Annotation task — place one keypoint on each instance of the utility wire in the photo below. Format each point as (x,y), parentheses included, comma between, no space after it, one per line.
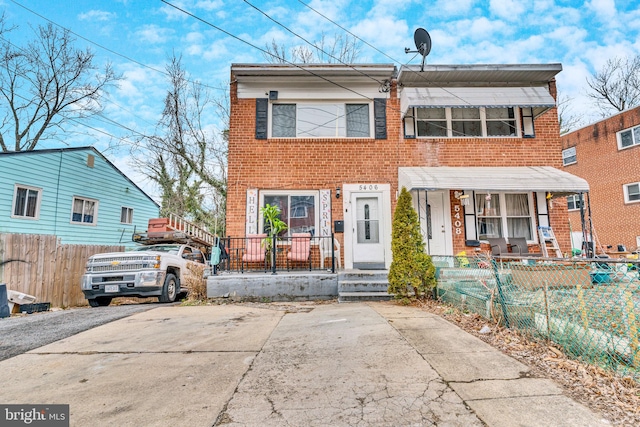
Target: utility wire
(311,44)
(108,49)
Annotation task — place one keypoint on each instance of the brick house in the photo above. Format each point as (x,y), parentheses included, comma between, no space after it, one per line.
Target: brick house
(477,146)
(607,155)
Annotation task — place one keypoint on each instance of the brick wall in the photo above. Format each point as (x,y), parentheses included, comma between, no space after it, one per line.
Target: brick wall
(607,169)
(328,163)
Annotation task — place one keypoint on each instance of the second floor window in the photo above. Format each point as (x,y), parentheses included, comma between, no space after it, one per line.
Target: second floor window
(84,211)
(466,122)
(629,137)
(632,192)
(569,156)
(320,120)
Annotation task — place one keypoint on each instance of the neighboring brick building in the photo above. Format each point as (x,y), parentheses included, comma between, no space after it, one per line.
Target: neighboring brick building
(607,155)
(484,135)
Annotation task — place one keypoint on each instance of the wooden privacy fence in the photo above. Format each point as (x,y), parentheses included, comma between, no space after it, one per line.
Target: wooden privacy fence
(51,271)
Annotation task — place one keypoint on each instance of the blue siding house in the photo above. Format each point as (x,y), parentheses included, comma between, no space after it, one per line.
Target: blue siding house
(73,193)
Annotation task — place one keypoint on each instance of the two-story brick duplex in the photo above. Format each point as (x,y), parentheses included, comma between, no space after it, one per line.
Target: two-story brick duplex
(607,155)
(477,145)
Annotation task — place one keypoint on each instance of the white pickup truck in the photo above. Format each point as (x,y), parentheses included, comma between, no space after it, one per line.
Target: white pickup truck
(148,271)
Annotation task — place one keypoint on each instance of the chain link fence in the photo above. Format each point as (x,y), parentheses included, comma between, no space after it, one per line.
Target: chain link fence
(589,307)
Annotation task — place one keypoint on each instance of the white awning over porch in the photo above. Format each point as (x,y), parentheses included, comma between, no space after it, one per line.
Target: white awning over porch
(537,97)
(505,178)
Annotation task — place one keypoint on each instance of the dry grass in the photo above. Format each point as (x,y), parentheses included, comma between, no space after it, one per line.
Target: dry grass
(616,398)
(196,283)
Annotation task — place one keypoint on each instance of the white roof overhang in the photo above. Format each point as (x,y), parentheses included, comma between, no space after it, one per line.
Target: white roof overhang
(537,97)
(503,179)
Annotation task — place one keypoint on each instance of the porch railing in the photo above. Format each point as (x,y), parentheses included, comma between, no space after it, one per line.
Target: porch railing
(271,255)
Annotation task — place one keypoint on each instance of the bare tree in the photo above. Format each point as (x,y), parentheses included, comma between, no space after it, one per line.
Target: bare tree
(45,84)
(616,86)
(339,49)
(187,159)
(567,119)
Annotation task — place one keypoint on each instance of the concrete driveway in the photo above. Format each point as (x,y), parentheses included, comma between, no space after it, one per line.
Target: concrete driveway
(312,365)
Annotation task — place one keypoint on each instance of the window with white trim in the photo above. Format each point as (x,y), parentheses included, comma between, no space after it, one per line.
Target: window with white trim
(298,209)
(573,202)
(504,215)
(126,215)
(26,202)
(629,137)
(320,120)
(632,192)
(569,156)
(84,211)
(466,122)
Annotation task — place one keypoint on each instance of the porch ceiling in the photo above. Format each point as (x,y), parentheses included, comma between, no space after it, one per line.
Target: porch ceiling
(521,178)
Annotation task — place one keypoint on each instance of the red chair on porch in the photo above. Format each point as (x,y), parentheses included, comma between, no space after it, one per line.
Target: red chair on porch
(300,249)
(254,251)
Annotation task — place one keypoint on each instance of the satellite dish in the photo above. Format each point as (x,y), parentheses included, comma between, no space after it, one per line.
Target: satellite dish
(423,43)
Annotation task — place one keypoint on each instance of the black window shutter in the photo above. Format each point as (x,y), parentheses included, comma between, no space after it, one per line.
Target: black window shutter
(262,111)
(380,117)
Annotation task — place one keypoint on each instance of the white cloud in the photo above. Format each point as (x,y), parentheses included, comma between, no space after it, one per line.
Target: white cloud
(507,9)
(386,33)
(604,10)
(154,34)
(96,15)
(453,8)
(209,5)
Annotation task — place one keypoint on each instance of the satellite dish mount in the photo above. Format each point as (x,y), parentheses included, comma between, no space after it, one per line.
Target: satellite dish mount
(423,44)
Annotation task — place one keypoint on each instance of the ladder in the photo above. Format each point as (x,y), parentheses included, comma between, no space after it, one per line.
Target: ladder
(548,241)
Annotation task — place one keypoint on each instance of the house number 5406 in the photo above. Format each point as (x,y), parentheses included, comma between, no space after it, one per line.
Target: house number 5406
(369,187)
(457,224)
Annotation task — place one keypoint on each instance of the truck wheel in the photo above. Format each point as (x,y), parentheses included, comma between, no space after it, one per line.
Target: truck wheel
(100,301)
(170,289)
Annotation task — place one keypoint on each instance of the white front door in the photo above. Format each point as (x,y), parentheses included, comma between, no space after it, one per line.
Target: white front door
(434,221)
(368,235)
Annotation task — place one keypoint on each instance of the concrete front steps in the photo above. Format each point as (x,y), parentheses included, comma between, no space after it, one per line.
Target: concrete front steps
(363,285)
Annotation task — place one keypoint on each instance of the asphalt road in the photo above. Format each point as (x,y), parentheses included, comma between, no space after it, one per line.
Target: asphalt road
(19,334)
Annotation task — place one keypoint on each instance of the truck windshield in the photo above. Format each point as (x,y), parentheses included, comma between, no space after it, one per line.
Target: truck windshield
(172,249)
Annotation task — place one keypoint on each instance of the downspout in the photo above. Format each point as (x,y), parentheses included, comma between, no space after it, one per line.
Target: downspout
(55,218)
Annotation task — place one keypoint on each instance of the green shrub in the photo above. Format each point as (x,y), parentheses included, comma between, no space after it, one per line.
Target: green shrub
(411,268)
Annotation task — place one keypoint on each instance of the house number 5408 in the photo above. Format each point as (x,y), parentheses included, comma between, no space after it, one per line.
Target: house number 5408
(457,224)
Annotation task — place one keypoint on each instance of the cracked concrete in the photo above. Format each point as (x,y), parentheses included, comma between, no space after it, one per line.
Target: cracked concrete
(333,364)
(342,365)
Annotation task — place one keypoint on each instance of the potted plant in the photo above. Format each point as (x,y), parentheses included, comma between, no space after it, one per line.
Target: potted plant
(273,225)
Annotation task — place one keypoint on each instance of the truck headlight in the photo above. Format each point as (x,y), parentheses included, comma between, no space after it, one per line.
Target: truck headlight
(86,282)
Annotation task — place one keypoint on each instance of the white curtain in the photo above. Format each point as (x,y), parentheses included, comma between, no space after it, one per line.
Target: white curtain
(518,217)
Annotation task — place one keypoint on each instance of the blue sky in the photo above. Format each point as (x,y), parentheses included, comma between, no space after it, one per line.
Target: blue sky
(139,36)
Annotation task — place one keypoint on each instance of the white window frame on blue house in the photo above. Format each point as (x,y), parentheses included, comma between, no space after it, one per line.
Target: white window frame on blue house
(126,215)
(84,211)
(25,208)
